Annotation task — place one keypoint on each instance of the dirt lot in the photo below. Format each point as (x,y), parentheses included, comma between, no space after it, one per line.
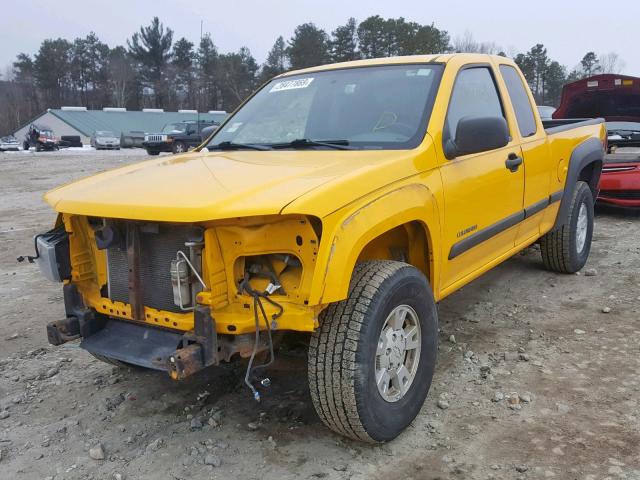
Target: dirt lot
(569,345)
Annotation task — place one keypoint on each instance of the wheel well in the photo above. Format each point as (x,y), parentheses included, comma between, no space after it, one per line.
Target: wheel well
(591,175)
(405,243)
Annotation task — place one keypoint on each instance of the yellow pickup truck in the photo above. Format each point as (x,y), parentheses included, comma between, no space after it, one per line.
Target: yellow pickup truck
(341,202)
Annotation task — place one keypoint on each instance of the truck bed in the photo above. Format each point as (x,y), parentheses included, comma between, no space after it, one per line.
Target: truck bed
(563,124)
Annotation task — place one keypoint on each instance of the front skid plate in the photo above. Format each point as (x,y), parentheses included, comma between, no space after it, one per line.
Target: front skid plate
(135,344)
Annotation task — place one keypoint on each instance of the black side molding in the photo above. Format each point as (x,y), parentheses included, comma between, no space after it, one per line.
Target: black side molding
(536,207)
(486,233)
(556,196)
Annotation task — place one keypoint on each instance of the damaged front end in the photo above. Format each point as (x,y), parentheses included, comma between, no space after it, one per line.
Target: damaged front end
(180,297)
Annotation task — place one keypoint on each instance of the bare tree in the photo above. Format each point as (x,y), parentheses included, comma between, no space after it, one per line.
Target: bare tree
(467,44)
(611,63)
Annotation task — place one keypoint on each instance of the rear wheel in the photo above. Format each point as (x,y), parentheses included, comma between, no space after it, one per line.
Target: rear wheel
(566,249)
(372,360)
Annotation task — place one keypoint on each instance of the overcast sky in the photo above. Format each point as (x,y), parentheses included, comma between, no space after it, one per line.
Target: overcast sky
(568,28)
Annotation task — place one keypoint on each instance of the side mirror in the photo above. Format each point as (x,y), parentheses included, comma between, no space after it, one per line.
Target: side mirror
(477,134)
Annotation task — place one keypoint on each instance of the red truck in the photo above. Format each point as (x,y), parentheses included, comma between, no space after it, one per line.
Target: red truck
(616,98)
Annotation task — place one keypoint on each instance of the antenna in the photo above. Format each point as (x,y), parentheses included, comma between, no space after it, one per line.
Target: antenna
(198,96)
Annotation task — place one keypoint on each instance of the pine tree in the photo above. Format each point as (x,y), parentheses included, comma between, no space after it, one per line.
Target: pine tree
(344,42)
(277,61)
(151,48)
(308,47)
(237,74)
(51,71)
(89,70)
(372,37)
(590,64)
(207,60)
(183,74)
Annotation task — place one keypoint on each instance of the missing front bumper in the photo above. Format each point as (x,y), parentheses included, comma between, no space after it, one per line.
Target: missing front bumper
(135,344)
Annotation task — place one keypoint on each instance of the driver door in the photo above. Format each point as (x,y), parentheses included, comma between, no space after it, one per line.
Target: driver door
(483,193)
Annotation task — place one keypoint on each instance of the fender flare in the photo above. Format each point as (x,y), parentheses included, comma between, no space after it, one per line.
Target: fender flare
(355,227)
(588,152)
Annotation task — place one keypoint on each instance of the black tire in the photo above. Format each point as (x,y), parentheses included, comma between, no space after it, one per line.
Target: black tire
(179,147)
(25,146)
(152,152)
(342,353)
(38,147)
(559,248)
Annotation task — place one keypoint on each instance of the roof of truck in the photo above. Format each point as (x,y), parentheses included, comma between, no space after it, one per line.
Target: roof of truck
(437,58)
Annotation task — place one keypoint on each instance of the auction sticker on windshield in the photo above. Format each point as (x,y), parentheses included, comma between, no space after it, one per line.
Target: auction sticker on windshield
(291,84)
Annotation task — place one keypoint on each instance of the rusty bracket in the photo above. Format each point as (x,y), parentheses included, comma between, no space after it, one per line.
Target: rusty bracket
(185,362)
(133,259)
(63,331)
(204,330)
(200,347)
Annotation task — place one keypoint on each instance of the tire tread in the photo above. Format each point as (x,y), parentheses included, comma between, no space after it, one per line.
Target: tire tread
(555,246)
(333,348)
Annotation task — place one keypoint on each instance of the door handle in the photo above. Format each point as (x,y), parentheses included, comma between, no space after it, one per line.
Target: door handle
(513,162)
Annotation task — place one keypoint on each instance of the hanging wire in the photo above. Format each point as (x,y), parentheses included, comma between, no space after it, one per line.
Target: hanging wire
(257,304)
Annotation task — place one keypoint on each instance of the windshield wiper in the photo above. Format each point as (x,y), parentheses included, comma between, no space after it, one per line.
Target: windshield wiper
(237,146)
(306,142)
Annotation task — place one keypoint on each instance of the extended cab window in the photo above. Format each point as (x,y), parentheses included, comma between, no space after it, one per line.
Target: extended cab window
(474,95)
(520,100)
(365,108)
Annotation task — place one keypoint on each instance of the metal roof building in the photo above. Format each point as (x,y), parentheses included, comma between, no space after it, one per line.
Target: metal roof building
(83,122)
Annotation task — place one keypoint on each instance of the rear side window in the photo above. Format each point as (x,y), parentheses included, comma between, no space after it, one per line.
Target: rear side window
(474,95)
(520,100)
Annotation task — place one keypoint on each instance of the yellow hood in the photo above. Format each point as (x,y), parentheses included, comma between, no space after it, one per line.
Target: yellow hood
(206,186)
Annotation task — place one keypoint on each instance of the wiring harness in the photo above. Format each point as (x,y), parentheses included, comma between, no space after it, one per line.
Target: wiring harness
(258,297)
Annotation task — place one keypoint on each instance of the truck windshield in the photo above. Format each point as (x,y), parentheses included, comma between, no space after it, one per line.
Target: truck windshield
(381,107)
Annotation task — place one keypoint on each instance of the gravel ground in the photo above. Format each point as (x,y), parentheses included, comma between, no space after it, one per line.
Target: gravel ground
(538,377)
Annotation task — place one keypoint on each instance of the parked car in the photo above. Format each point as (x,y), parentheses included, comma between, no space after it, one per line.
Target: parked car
(70,141)
(616,98)
(401,181)
(9,143)
(178,137)
(546,112)
(623,134)
(105,140)
(41,138)
(132,139)
(208,131)
(620,182)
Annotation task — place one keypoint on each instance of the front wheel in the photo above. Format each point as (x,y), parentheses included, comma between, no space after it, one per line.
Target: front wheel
(372,359)
(566,249)
(179,147)
(153,152)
